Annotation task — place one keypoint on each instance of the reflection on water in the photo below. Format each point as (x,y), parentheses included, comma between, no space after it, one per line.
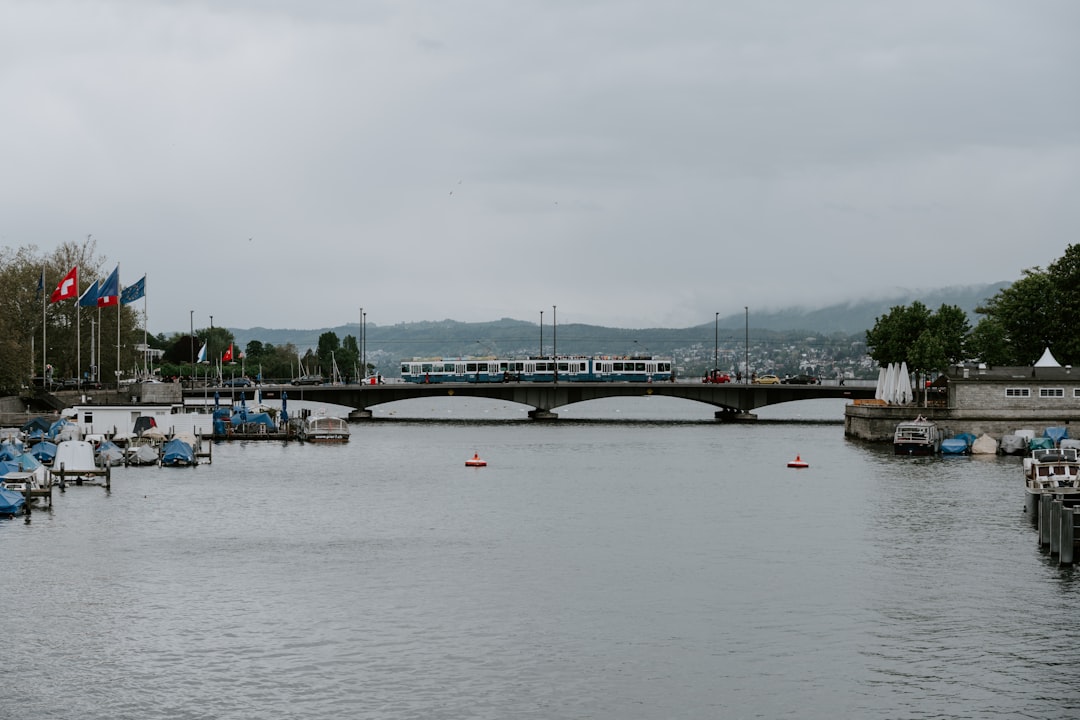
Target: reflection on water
(668,567)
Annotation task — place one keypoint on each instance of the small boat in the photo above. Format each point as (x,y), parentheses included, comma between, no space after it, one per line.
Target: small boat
(1051,471)
(1013,444)
(324,428)
(955,446)
(109,453)
(984,445)
(917,437)
(798,462)
(145,454)
(475,461)
(177,453)
(76,459)
(11,502)
(44,451)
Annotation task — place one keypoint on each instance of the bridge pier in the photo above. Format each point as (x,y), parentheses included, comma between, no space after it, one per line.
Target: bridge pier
(360,414)
(542,414)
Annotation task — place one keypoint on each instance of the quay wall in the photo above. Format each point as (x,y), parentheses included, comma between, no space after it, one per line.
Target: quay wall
(876,423)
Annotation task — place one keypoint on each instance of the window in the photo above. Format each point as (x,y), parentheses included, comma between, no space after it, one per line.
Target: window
(1018,392)
(1051,392)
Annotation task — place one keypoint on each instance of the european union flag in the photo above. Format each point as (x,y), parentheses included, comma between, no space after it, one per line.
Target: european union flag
(133,292)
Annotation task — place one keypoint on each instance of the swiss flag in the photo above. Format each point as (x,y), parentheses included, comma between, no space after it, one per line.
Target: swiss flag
(68,287)
(227,357)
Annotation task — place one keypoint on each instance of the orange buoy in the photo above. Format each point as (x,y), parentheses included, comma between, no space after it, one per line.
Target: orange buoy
(798,462)
(475,461)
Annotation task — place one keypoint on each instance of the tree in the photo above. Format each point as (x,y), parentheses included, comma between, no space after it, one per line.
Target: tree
(1025,316)
(950,327)
(893,335)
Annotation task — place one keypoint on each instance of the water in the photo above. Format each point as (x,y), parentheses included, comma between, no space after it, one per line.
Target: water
(593,570)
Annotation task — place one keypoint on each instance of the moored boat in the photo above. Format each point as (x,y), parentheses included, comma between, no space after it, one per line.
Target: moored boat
(76,459)
(177,453)
(1051,471)
(324,428)
(917,437)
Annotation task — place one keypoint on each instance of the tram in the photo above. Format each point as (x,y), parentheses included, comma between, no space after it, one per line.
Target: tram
(604,368)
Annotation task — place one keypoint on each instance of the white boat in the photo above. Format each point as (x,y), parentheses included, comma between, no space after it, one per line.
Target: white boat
(76,459)
(1051,471)
(324,428)
(144,454)
(917,437)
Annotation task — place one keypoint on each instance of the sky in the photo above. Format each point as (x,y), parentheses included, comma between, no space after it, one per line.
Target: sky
(285,164)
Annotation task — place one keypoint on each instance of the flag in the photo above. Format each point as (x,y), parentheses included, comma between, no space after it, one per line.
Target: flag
(202,354)
(90,296)
(227,357)
(133,292)
(68,287)
(41,284)
(109,293)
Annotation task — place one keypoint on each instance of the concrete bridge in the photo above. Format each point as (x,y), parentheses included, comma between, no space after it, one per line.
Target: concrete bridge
(735,401)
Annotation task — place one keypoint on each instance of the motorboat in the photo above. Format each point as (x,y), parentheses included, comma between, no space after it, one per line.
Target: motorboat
(917,437)
(1051,471)
(324,428)
(177,453)
(75,458)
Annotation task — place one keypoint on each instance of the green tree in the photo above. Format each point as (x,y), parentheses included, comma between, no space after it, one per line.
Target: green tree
(950,327)
(1024,315)
(893,335)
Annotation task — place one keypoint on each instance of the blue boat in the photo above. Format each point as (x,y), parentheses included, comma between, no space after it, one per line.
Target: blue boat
(955,446)
(11,502)
(44,451)
(177,453)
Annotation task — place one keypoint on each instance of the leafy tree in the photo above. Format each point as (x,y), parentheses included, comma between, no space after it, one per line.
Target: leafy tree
(327,350)
(950,326)
(893,334)
(989,342)
(1025,316)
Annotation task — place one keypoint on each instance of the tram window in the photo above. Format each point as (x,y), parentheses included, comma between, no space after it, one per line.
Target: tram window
(404,369)
(426,367)
(564,367)
(618,367)
(448,367)
(640,367)
(470,367)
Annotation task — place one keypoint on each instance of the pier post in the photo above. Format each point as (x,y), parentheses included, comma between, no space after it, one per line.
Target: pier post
(1055,527)
(1065,554)
(108,477)
(1045,501)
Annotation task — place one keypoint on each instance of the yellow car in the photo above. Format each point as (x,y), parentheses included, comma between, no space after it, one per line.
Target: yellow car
(767,380)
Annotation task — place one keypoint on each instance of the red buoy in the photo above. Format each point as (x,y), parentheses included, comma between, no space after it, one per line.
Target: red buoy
(475,461)
(798,462)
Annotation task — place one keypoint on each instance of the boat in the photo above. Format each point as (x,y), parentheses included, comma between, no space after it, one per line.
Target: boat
(177,453)
(109,453)
(1013,444)
(145,454)
(1051,471)
(11,502)
(955,446)
(76,459)
(324,428)
(917,437)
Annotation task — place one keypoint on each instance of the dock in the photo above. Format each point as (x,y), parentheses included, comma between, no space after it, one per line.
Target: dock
(1059,527)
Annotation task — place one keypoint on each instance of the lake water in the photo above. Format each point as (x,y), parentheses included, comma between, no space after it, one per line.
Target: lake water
(663,566)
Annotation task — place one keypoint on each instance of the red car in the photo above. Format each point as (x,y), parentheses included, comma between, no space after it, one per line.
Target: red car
(715,376)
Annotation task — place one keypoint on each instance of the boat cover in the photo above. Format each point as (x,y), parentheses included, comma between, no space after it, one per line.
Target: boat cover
(246,418)
(984,445)
(109,453)
(38,423)
(1057,434)
(11,502)
(8,451)
(1014,444)
(954,446)
(1043,443)
(177,452)
(144,455)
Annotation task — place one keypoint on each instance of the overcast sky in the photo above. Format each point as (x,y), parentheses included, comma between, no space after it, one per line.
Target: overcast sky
(638,164)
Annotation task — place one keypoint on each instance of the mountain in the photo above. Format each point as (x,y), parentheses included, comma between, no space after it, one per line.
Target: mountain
(517,337)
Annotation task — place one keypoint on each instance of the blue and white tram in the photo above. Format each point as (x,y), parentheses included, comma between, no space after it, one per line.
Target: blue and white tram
(569,369)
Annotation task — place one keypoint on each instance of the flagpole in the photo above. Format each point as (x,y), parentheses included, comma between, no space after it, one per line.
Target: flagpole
(118,305)
(44,340)
(78,334)
(146,322)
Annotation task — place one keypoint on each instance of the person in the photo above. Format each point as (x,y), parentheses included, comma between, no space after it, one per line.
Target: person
(738,376)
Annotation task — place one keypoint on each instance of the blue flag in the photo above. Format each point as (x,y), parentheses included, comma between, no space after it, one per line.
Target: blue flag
(109,292)
(89,296)
(41,283)
(133,292)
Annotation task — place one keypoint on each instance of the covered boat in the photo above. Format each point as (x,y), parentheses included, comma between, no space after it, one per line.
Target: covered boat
(75,458)
(11,502)
(145,454)
(984,445)
(955,446)
(177,453)
(917,437)
(109,453)
(1012,444)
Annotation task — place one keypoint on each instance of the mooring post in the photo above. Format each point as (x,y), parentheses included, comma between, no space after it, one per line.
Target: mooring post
(1055,527)
(108,477)
(1065,554)
(1044,519)
(27,497)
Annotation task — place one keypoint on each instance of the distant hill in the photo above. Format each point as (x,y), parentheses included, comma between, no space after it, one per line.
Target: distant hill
(509,336)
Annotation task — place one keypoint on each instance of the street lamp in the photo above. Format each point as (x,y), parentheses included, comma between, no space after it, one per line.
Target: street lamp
(554,337)
(191,321)
(746,345)
(541,334)
(716,342)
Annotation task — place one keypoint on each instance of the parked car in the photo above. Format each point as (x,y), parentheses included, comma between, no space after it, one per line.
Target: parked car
(800,380)
(237,382)
(767,380)
(309,380)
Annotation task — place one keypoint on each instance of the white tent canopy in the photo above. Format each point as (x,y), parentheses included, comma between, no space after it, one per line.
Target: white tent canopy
(1047,360)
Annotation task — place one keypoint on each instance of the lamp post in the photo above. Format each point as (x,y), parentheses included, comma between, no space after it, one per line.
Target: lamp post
(191,321)
(746,345)
(541,334)
(716,342)
(554,338)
